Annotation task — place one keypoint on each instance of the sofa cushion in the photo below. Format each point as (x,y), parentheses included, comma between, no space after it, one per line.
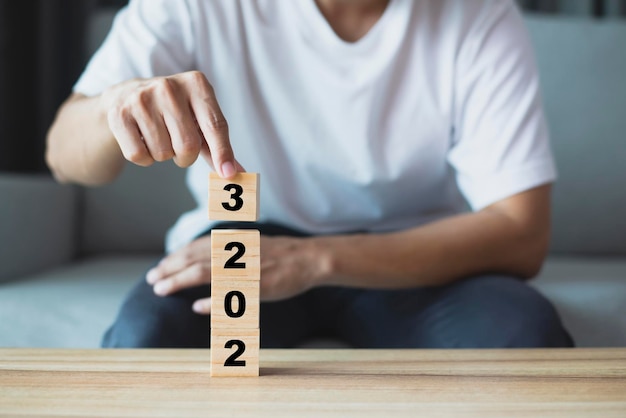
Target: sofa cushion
(37,224)
(70,306)
(582,66)
(133,213)
(590,295)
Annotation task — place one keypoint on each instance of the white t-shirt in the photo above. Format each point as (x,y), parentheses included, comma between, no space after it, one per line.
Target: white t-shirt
(438,101)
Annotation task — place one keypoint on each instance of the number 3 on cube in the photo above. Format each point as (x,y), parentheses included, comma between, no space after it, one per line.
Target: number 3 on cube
(234,199)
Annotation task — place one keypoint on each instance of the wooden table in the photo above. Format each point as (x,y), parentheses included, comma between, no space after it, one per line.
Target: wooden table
(293,383)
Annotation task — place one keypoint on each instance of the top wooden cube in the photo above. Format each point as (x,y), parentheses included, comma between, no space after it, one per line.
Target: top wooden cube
(234,199)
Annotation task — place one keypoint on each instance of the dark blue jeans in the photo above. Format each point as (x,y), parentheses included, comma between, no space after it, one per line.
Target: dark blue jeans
(476,312)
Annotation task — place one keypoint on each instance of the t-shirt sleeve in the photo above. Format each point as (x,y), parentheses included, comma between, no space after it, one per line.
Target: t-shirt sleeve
(148,38)
(500,145)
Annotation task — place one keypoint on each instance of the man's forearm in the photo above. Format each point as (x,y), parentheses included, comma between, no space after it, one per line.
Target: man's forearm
(441,252)
(80,146)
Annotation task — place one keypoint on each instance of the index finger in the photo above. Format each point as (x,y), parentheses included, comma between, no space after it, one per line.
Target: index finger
(214,127)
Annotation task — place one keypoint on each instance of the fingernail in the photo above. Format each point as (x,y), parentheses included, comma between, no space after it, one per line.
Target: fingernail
(228,169)
(240,168)
(161,288)
(200,306)
(152,276)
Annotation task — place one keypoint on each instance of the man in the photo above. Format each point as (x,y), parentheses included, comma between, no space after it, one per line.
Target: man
(369,121)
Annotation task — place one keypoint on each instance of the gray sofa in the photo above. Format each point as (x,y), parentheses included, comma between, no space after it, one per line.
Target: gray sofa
(69,254)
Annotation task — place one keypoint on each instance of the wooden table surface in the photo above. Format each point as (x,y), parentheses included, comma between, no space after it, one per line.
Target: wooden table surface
(293,383)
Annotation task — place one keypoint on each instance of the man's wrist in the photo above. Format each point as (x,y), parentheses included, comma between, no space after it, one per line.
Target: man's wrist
(323,252)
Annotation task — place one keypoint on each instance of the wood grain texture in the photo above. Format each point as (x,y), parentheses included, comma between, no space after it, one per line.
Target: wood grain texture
(570,383)
(250,291)
(218,196)
(220,352)
(251,239)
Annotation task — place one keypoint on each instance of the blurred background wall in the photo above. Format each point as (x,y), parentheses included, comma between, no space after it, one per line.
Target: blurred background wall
(44,45)
(42,52)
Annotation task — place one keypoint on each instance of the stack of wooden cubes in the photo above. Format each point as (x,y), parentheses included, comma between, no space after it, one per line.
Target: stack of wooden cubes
(235,276)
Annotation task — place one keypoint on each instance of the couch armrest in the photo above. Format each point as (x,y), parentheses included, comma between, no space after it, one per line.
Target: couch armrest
(37,224)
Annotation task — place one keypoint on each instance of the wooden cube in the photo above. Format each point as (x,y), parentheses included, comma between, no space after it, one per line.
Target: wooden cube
(234,199)
(235,254)
(234,352)
(234,304)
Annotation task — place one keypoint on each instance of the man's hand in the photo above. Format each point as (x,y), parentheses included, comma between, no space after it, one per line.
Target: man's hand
(142,121)
(289,266)
(175,117)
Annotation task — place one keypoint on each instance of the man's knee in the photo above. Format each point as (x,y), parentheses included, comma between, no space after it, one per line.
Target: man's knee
(499,312)
(135,332)
(149,321)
